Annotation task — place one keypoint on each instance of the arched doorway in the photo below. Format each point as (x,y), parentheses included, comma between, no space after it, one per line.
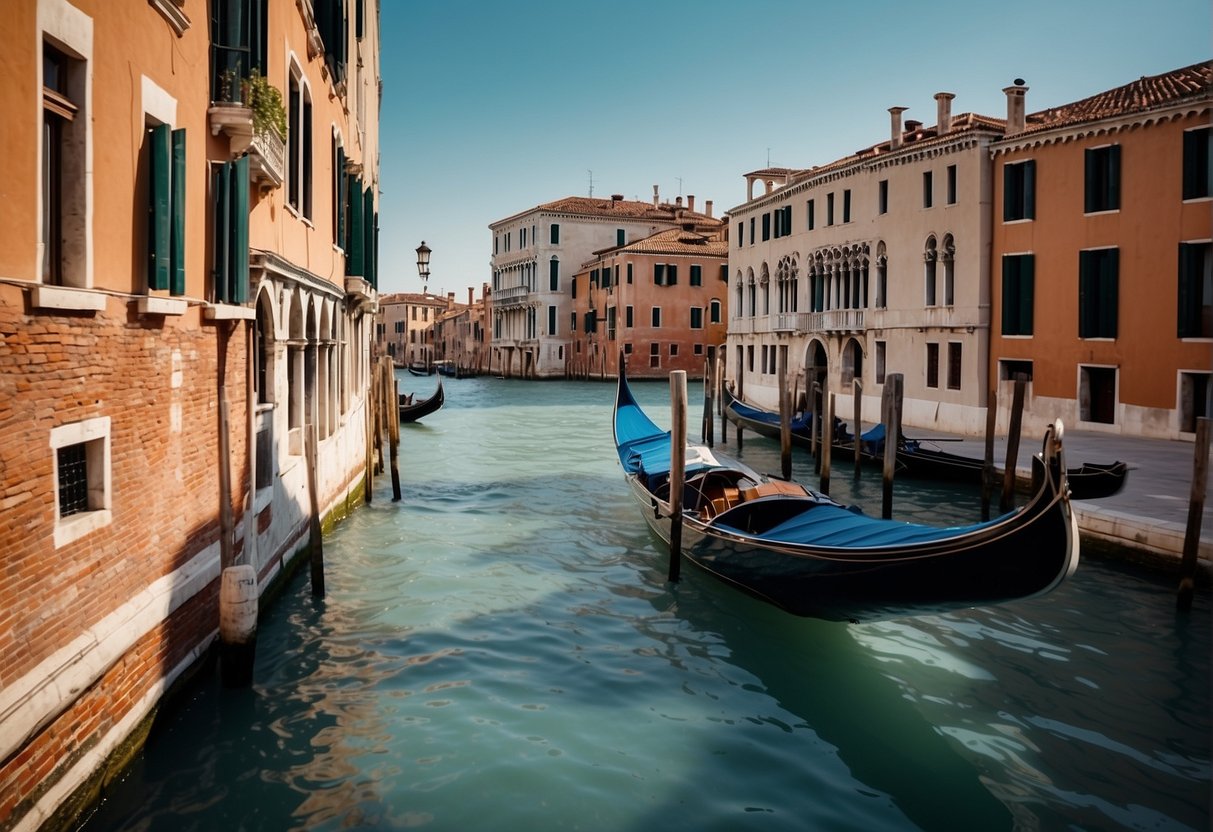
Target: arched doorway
(816,369)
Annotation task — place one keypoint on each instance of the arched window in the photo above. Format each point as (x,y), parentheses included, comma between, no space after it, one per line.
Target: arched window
(948,256)
(929,256)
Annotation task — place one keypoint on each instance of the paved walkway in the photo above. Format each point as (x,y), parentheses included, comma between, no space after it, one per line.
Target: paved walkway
(1150,513)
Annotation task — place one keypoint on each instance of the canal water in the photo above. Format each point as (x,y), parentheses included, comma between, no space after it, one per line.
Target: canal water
(501,651)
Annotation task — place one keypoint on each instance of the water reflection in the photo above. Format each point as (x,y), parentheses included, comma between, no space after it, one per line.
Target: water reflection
(502,651)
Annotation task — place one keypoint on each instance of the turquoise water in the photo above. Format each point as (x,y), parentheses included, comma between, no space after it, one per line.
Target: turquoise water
(501,651)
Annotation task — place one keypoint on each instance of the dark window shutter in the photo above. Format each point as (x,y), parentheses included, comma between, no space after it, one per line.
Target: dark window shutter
(177,229)
(340,182)
(1086,293)
(1029,189)
(368,231)
(1010,296)
(555,234)
(239,247)
(305,203)
(554,276)
(659,274)
(1027,293)
(1188,318)
(1090,198)
(672,271)
(1198,173)
(1113,174)
(221,257)
(353,262)
(160,228)
(1109,302)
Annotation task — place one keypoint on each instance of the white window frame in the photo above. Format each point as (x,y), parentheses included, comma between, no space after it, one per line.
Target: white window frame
(95,435)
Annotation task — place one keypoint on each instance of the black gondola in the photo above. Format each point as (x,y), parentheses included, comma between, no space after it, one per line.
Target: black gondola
(811,556)
(413,412)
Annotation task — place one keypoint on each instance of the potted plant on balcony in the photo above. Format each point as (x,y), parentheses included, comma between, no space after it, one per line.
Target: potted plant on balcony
(265,101)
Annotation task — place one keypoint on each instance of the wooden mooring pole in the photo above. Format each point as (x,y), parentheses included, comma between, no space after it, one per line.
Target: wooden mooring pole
(891,416)
(858,408)
(827,442)
(1196,507)
(1008,475)
(724,421)
(315,536)
(987,467)
(785,422)
(678,453)
(393,420)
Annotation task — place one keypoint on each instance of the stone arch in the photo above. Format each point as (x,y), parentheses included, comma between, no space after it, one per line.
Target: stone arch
(296,341)
(851,363)
(265,346)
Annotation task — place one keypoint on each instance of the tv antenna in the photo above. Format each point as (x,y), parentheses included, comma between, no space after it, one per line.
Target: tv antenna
(591,173)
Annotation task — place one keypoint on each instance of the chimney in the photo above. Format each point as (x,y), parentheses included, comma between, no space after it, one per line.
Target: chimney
(469,296)
(450,301)
(912,127)
(655,197)
(943,112)
(484,290)
(895,126)
(1015,106)
(616,197)
(707,207)
(678,201)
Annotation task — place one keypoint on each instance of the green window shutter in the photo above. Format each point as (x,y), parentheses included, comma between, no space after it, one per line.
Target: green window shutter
(354,255)
(1091,173)
(620,236)
(1113,174)
(177,229)
(672,272)
(766,226)
(555,234)
(1029,189)
(1188,317)
(629,273)
(340,180)
(1109,301)
(1027,293)
(239,247)
(659,274)
(1010,295)
(222,183)
(696,276)
(368,230)
(554,276)
(1008,199)
(1086,294)
(160,228)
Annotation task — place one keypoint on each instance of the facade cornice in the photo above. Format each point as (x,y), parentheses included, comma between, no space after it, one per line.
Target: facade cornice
(912,154)
(1102,127)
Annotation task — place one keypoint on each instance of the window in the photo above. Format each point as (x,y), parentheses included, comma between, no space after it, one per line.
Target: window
(880,361)
(627,317)
(766,227)
(696,317)
(654,355)
(65,126)
(951,184)
(522,238)
(339,197)
(750,358)
(554,275)
(1019,191)
(621,236)
(932,365)
(846,205)
(930,256)
(1097,292)
(656,317)
(696,275)
(698,350)
(1010,369)
(808,212)
(629,274)
(928,189)
(882,197)
(1097,394)
(552,320)
(954,351)
(753,238)
(81,478)
(665,274)
(714,311)
(1195,290)
(299,152)
(740,234)
(829,209)
(166,209)
(1018,293)
(554,234)
(673,350)
(1198,173)
(1102,192)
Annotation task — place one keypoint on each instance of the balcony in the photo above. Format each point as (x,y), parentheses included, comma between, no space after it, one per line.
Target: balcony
(790,322)
(511,296)
(267,152)
(836,320)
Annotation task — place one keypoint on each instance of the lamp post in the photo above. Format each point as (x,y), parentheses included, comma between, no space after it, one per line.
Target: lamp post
(423,263)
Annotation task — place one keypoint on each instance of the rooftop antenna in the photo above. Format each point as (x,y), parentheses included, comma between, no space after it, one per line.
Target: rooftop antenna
(768,157)
(591,173)
(679,178)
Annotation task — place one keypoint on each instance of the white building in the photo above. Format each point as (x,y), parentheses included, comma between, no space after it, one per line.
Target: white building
(535,255)
(876,263)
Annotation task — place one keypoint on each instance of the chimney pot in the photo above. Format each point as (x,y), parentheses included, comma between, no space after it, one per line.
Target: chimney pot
(690,202)
(616,197)
(1015,106)
(707,207)
(656,197)
(943,112)
(895,126)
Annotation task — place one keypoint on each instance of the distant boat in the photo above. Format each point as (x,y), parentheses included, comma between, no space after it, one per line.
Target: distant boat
(445,368)
(809,555)
(420,370)
(413,412)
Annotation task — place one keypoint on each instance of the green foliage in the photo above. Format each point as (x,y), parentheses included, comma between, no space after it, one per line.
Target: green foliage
(266,103)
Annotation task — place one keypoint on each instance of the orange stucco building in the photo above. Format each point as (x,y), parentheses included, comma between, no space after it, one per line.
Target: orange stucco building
(661,300)
(188,211)
(1102,274)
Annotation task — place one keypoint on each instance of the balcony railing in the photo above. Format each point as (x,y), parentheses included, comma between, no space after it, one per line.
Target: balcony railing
(836,320)
(511,296)
(267,158)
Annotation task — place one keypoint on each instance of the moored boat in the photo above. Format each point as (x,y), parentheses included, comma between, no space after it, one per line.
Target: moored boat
(411,411)
(812,556)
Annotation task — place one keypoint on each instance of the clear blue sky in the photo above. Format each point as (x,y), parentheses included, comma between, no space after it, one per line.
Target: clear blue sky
(491,108)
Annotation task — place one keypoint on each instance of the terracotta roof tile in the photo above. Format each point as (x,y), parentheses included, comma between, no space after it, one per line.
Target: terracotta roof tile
(677,241)
(1146,93)
(631,209)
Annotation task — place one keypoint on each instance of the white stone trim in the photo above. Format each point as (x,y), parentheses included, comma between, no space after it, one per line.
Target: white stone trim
(45,691)
(78,525)
(157,103)
(43,296)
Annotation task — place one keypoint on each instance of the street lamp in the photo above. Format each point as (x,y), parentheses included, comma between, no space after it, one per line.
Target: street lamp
(423,263)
